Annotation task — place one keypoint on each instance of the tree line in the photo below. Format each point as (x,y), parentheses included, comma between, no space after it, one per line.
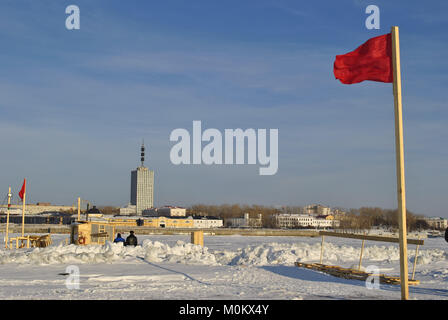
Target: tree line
(368,217)
(362,218)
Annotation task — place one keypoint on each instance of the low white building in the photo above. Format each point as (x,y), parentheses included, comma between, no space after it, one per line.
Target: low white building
(129,210)
(11,211)
(317,209)
(437,222)
(166,211)
(304,221)
(169,211)
(245,221)
(40,207)
(207,222)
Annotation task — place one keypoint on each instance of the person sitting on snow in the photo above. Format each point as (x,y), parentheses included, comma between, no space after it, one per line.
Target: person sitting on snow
(131,240)
(119,238)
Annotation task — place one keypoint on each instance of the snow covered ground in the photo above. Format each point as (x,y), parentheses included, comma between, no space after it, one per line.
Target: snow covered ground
(228,267)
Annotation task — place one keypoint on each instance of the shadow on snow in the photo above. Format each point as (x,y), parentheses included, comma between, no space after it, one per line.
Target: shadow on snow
(311,275)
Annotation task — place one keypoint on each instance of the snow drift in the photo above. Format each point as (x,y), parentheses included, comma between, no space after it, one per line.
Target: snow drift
(186,253)
(110,253)
(288,254)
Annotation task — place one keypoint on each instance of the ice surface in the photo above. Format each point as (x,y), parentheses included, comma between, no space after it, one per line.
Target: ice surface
(228,267)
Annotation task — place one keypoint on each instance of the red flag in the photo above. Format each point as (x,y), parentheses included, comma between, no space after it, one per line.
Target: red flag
(370,61)
(23,190)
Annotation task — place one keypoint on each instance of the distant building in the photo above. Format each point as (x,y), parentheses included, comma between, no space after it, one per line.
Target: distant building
(129,210)
(12,211)
(37,208)
(167,222)
(338,213)
(207,222)
(316,209)
(142,186)
(437,222)
(305,221)
(166,211)
(245,221)
(41,218)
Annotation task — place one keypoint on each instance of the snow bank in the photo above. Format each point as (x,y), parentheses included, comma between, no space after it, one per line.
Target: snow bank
(110,253)
(288,254)
(180,253)
(430,256)
(187,253)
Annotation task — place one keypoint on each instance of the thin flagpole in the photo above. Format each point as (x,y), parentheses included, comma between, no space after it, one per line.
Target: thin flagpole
(401,190)
(7,219)
(79,208)
(23,212)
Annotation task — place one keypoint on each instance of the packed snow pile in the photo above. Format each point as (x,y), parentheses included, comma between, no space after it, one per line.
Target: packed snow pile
(430,256)
(181,252)
(110,253)
(288,254)
(187,253)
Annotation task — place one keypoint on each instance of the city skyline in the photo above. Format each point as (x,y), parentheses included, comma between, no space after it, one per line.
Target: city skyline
(75,104)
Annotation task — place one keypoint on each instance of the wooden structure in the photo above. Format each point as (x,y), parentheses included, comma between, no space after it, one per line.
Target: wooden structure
(197,237)
(91,232)
(358,274)
(347,273)
(41,241)
(30,241)
(24,241)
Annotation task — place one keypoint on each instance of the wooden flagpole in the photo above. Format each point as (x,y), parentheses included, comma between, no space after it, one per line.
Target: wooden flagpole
(79,208)
(401,191)
(23,212)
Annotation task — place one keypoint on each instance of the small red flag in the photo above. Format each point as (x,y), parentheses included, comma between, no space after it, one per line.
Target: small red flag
(370,61)
(23,190)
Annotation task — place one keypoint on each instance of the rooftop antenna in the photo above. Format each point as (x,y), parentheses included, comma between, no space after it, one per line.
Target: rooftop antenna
(142,152)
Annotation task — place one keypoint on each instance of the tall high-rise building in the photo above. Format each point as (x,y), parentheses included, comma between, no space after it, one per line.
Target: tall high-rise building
(142,186)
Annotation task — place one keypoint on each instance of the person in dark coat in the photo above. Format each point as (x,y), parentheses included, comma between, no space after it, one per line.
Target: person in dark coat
(446,235)
(131,240)
(119,239)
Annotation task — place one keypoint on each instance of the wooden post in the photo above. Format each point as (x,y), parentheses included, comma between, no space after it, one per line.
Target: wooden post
(7,219)
(415,262)
(200,238)
(197,237)
(79,208)
(360,256)
(23,212)
(401,190)
(322,250)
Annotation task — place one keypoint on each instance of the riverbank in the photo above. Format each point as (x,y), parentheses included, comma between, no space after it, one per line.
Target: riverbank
(65,229)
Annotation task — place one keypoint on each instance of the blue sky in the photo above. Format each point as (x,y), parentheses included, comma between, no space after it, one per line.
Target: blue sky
(75,105)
